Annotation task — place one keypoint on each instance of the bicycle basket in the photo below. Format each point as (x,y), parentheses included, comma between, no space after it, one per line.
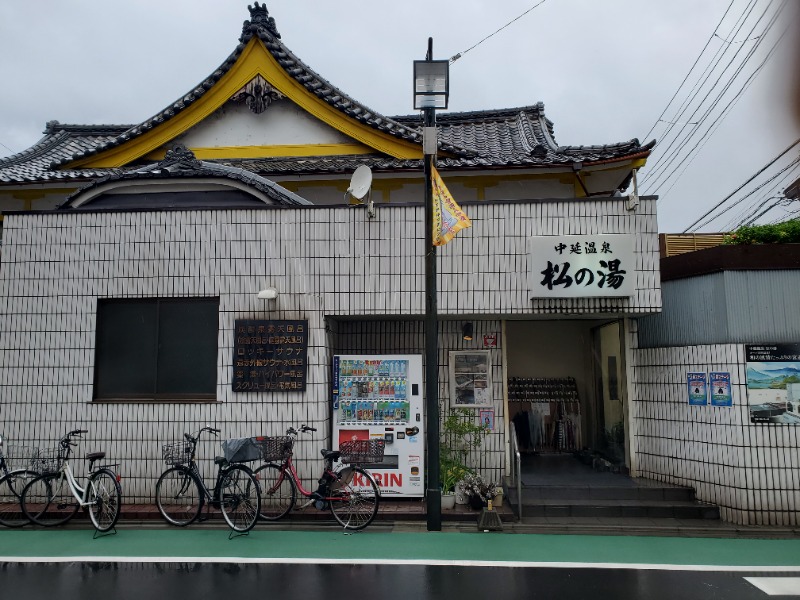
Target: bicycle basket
(277,447)
(18,456)
(362,451)
(177,453)
(49,460)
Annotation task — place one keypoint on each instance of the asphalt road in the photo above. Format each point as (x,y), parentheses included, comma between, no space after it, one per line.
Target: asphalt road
(138,581)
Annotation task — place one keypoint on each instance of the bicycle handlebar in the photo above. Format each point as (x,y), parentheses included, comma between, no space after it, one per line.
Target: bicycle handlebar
(66,441)
(303,428)
(196,437)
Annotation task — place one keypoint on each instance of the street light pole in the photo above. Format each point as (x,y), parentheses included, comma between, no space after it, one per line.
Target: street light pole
(434,495)
(431,91)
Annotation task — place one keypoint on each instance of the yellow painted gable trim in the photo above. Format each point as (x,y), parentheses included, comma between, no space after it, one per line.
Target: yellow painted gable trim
(254,60)
(293,150)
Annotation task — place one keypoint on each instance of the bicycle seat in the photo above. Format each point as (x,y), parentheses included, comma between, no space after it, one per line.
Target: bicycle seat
(332,454)
(93,456)
(220,460)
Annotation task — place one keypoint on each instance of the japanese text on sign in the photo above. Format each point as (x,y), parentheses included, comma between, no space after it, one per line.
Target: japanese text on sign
(571,266)
(270,356)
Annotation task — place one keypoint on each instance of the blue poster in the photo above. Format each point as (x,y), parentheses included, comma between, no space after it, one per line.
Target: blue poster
(720,384)
(698,393)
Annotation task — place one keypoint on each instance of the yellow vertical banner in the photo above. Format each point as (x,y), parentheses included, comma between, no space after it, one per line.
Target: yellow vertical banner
(448,218)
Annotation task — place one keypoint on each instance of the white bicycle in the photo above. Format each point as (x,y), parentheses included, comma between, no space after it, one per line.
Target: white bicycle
(54,497)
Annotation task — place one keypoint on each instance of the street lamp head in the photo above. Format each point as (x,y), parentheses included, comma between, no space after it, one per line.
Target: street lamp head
(431,84)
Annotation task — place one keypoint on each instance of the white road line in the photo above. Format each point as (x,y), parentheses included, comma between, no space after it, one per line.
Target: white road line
(392,561)
(777,586)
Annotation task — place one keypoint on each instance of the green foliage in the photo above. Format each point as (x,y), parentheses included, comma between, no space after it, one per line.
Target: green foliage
(787,232)
(460,434)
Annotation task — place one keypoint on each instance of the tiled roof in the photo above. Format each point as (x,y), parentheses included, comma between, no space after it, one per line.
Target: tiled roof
(180,163)
(516,137)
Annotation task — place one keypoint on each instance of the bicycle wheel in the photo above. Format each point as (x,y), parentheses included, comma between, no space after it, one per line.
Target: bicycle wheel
(47,500)
(278,492)
(11,486)
(239,498)
(178,496)
(354,498)
(105,494)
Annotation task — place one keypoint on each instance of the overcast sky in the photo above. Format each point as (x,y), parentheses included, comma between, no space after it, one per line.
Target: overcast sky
(605,69)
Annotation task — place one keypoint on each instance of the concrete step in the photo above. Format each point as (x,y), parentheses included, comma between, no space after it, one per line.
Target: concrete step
(616,508)
(641,493)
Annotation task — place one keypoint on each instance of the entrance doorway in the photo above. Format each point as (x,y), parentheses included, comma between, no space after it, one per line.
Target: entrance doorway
(611,388)
(566,389)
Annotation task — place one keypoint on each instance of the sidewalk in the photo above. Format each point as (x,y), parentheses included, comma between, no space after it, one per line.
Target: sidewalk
(410,516)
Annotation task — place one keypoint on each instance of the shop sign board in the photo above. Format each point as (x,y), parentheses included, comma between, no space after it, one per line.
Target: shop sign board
(773,372)
(582,266)
(490,340)
(698,392)
(720,384)
(269,355)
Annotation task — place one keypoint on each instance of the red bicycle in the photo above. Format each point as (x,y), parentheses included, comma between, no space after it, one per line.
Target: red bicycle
(346,488)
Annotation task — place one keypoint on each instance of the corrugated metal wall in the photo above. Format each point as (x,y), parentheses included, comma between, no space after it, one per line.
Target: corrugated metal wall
(726,307)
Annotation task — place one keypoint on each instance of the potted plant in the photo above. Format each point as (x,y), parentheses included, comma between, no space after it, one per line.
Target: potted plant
(478,490)
(450,473)
(460,434)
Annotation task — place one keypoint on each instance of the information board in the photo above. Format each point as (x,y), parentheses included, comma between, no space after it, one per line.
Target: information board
(270,355)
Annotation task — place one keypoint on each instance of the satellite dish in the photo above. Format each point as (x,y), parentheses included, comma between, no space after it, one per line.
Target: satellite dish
(360,186)
(360,182)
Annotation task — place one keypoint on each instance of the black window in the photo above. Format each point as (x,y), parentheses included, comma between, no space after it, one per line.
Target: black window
(156,349)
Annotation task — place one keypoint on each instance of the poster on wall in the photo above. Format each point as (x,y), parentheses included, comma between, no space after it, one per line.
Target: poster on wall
(773,383)
(698,393)
(720,384)
(470,379)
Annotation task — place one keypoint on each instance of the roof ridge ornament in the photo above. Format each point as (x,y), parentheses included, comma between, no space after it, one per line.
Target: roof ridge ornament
(260,22)
(258,94)
(179,158)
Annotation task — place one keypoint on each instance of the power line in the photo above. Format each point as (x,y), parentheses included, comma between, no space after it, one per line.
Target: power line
(705,76)
(746,196)
(670,154)
(663,112)
(662,173)
(726,198)
(746,215)
(460,54)
(694,150)
(6,147)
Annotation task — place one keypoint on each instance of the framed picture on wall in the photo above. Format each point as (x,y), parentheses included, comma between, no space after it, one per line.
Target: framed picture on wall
(487,418)
(470,379)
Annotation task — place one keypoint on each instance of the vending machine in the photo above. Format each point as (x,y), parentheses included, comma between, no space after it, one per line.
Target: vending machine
(380,397)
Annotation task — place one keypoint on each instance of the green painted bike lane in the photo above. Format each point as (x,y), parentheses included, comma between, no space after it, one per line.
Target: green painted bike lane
(395,547)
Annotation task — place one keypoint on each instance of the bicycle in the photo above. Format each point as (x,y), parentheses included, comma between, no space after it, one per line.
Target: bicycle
(55,496)
(181,492)
(12,482)
(348,490)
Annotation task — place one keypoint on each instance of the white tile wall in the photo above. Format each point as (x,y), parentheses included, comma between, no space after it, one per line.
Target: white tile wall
(326,263)
(750,470)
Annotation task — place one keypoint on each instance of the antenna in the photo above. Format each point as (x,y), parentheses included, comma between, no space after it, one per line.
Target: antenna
(360,186)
